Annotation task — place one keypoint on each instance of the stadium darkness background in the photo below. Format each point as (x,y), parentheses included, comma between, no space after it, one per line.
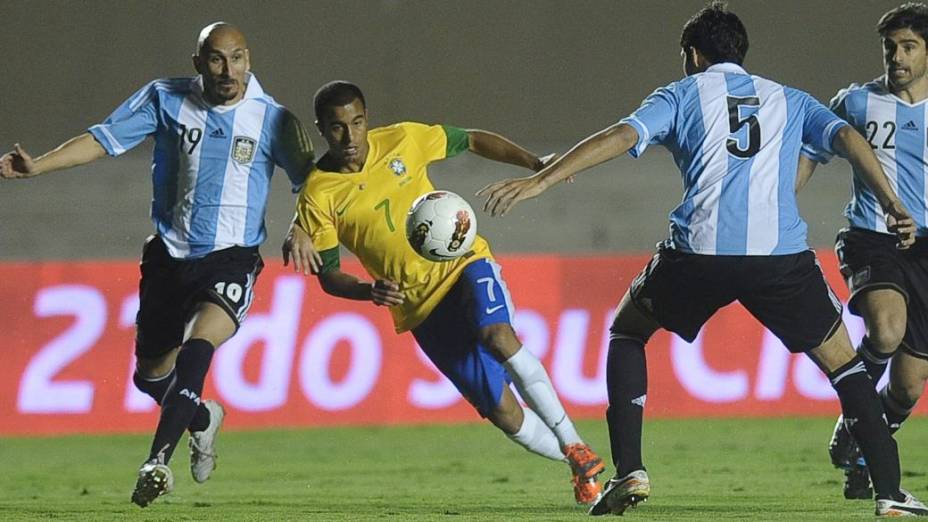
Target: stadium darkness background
(543,72)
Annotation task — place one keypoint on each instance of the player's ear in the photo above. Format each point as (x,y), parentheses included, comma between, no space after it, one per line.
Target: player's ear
(195,59)
(247,60)
(319,127)
(700,60)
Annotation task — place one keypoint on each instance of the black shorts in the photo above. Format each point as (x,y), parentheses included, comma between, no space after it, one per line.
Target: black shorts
(870,261)
(787,293)
(171,287)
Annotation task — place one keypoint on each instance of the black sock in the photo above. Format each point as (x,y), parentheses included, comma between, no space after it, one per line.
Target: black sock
(627,381)
(200,419)
(156,388)
(897,410)
(874,361)
(863,416)
(183,398)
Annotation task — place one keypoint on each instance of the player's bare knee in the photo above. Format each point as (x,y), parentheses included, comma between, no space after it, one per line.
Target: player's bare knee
(500,340)
(629,321)
(156,367)
(906,387)
(909,392)
(886,333)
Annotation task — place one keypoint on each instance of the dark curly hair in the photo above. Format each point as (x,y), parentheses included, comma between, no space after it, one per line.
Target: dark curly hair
(717,34)
(912,15)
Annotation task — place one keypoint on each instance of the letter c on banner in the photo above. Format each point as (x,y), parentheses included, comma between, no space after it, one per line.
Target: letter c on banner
(363,370)
(699,379)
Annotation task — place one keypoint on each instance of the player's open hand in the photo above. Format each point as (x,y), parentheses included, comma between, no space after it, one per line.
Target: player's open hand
(503,195)
(899,222)
(299,245)
(386,293)
(16,164)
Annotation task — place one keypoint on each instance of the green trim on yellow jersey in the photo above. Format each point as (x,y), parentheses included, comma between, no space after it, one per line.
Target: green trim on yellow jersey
(458,141)
(330,260)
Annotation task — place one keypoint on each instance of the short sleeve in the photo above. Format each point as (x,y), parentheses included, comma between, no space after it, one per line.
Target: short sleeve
(130,123)
(292,148)
(430,139)
(319,222)
(820,126)
(654,119)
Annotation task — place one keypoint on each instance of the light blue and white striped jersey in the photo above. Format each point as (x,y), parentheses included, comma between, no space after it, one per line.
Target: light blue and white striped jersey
(736,140)
(896,132)
(212,164)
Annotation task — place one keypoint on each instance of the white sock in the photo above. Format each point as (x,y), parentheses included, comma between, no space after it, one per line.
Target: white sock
(535,387)
(534,436)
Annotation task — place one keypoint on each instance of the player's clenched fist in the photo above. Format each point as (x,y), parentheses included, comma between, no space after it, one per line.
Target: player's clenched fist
(16,164)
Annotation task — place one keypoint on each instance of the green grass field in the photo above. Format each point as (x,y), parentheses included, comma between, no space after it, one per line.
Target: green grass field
(772,469)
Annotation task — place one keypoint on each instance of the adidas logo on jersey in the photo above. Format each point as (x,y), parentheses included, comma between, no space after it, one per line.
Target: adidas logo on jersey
(640,400)
(910,125)
(190,395)
(218,133)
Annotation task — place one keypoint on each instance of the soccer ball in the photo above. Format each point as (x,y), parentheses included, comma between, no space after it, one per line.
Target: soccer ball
(441,226)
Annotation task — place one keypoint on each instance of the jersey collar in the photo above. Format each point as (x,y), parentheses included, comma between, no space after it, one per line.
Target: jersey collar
(726,67)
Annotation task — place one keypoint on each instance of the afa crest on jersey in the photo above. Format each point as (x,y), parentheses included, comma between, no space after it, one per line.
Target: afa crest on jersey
(243,149)
(398,167)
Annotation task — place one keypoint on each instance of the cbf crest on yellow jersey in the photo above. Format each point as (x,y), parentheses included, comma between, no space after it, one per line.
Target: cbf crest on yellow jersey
(366,212)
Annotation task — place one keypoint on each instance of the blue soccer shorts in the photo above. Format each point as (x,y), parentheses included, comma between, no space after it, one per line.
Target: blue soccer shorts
(449,335)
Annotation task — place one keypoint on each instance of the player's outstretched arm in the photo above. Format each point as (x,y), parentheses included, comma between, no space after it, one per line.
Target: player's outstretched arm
(848,143)
(804,174)
(499,148)
(77,151)
(598,148)
(381,292)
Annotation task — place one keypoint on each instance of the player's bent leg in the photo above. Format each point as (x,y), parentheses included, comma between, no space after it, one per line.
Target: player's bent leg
(907,379)
(863,414)
(209,326)
(150,379)
(154,375)
(884,314)
(531,380)
(524,427)
(508,415)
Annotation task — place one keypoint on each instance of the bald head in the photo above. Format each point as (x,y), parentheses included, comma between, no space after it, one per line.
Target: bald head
(216,31)
(223,61)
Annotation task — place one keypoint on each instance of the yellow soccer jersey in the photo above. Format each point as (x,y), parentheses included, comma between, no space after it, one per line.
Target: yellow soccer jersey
(366,212)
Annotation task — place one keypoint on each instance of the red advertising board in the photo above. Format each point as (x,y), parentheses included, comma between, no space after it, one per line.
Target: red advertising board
(303,358)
